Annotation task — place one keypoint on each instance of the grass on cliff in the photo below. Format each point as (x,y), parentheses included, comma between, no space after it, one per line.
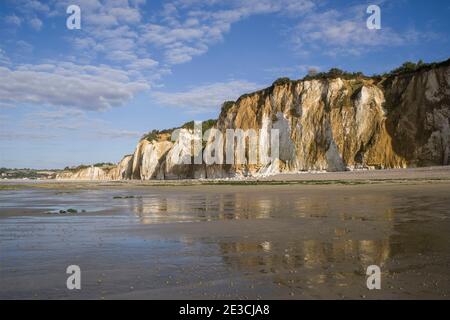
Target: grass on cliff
(156,134)
(335,73)
(84,166)
(406,68)
(227,105)
(76,168)
(411,67)
(206,125)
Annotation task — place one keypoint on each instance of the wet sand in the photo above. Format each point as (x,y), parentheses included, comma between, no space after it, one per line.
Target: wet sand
(292,241)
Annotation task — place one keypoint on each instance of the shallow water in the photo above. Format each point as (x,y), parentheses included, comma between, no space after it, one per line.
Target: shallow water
(227,241)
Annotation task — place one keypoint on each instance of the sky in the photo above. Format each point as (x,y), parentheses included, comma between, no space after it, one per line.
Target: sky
(80,96)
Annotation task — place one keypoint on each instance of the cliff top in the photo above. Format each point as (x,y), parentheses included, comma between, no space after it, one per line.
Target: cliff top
(165,134)
(405,69)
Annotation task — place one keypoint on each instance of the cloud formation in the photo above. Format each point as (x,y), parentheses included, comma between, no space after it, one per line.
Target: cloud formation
(13,20)
(36,23)
(118,42)
(68,85)
(189,27)
(344,32)
(3,57)
(205,98)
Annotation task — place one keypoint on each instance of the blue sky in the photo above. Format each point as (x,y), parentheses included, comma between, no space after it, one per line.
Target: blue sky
(83,96)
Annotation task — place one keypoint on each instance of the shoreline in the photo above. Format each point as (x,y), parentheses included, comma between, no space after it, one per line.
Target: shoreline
(407,175)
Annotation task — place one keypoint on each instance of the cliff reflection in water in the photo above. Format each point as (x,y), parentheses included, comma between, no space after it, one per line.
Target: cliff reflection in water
(210,206)
(332,209)
(308,262)
(202,207)
(297,238)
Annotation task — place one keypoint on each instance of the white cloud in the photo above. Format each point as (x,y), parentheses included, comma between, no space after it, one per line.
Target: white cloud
(60,118)
(63,119)
(11,136)
(189,27)
(101,20)
(13,20)
(4,58)
(345,32)
(32,6)
(36,24)
(110,33)
(179,53)
(68,85)
(205,98)
(121,55)
(117,134)
(58,114)
(295,71)
(116,33)
(24,47)
(6,105)
(28,11)
(86,43)
(125,14)
(142,64)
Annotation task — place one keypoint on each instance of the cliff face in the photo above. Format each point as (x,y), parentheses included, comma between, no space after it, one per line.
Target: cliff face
(327,124)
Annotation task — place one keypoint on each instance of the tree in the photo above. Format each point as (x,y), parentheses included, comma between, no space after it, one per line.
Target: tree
(312,71)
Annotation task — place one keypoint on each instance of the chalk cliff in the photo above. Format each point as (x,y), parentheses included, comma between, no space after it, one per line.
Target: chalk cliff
(332,124)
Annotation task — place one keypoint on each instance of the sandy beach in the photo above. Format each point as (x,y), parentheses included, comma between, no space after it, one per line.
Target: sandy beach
(303,236)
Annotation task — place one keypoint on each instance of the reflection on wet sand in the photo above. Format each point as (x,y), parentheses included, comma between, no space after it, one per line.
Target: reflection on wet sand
(233,242)
(212,206)
(178,208)
(287,262)
(356,230)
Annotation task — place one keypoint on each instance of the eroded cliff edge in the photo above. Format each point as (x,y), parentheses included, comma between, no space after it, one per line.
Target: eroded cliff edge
(331,124)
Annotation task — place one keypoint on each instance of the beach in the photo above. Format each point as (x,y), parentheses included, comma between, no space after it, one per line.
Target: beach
(302,236)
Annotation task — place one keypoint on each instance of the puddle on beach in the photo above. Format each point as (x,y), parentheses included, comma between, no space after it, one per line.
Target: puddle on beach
(233,242)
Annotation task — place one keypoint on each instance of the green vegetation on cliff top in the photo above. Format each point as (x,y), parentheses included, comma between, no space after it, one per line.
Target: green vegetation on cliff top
(156,134)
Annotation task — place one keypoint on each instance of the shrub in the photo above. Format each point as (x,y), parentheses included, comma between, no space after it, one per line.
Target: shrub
(406,67)
(188,125)
(409,67)
(155,134)
(103,164)
(76,168)
(281,81)
(227,105)
(334,73)
(312,71)
(208,124)
(152,135)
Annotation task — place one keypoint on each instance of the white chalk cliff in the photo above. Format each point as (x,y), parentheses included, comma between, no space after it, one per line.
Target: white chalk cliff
(331,124)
